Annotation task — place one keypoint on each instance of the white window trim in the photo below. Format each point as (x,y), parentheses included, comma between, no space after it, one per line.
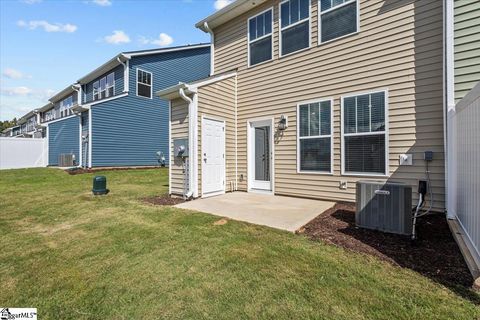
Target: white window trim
(151,84)
(386,133)
(319,21)
(99,91)
(258,39)
(280,29)
(312,137)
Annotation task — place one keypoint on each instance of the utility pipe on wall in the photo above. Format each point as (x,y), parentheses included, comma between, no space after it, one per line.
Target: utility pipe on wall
(125,73)
(191,128)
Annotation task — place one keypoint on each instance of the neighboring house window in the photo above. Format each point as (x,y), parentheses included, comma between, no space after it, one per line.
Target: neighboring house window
(315,137)
(49,115)
(104,87)
(65,106)
(294,26)
(364,132)
(260,38)
(337,18)
(144,83)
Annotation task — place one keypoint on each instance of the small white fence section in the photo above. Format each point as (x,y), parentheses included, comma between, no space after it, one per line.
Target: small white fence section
(466,166)
(16,153)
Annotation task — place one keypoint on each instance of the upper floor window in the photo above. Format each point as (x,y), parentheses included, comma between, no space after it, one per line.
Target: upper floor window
(315,137)
(364,128)
(260,38)
(337,18)
(65,106)
(294,26)
(104,87)
(49,115)
(144,83)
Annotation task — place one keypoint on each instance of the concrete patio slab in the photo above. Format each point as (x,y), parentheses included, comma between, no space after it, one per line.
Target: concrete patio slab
(278,212)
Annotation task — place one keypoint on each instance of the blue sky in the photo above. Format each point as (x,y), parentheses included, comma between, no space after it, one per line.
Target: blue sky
(47,45)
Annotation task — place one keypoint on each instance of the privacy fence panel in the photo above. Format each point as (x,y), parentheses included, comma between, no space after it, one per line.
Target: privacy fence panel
(18,153)
(467,165)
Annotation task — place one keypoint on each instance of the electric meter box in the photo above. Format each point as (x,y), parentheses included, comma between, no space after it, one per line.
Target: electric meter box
(180,147)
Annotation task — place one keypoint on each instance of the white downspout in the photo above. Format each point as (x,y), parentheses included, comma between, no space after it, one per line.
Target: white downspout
(78,89)
(449,110)
(191,141)
(125,73)
(212,48)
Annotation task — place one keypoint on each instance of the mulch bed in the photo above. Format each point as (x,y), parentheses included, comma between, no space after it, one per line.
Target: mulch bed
(435,254)
(76,170)
(163,200)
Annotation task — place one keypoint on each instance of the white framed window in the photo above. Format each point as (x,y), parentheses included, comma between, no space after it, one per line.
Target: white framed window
(144,84)
(65,106)
(104,87)
(294,26)
(314,136)
(260,37)
(337,18)
(365,133)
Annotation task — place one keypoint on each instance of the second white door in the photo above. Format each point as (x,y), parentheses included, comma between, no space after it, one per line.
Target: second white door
(213,157)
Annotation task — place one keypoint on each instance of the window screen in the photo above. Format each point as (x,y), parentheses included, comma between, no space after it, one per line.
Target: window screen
(260,37)
(315,136)
(295,25)
(364,133)
(337,18)
(144,83)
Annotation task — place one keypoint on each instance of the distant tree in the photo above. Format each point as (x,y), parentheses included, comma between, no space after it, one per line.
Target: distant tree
(7,124)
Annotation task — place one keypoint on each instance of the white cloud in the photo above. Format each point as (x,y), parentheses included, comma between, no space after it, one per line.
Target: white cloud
(102,3)
(46,26)
(23,91)
(219,4)
(14,74)
(17,91)
(162,40)
(117,37)
(31,1)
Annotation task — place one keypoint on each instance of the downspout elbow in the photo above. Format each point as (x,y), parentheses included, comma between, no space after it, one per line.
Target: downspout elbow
(212,47)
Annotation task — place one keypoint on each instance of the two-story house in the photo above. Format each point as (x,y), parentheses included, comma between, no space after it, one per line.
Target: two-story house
(110,117)
(308,97)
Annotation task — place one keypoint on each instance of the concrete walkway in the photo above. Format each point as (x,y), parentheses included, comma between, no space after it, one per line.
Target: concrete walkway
(279,212)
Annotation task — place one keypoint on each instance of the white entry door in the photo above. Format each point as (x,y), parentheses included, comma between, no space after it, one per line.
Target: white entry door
(213,157)
(260,153)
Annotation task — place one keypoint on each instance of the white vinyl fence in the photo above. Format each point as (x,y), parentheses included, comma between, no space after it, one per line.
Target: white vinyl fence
(466,167)
(18,153)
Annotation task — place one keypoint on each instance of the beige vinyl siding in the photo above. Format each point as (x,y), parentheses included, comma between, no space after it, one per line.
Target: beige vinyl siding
(179,129)
(217,101)
(466,46)
(398,48)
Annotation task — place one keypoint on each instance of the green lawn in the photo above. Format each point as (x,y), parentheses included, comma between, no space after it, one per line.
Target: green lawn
(75,256)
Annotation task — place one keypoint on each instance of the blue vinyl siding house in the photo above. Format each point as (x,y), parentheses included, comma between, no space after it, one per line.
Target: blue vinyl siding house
(63,139)
(122,122)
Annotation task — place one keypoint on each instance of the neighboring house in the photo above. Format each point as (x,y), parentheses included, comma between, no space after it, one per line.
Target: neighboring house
(462,50)
(27,126)
(62,125)
(309,97)
(7,132)
(122,122)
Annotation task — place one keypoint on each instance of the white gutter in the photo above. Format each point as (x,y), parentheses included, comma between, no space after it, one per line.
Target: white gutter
(449,108)
(125,72)
(191,142)
(212,47)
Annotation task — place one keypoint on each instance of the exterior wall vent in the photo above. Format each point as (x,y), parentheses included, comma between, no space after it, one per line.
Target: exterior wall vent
(66,160)
(385,207)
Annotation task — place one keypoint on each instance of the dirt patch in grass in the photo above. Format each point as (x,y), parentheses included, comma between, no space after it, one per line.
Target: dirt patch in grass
(76,170)
(435,254)
(163,200)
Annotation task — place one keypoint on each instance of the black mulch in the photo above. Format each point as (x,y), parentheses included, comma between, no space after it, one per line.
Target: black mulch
(435,254)
(76,170)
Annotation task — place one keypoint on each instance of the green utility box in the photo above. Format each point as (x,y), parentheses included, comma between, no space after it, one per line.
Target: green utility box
(99,185)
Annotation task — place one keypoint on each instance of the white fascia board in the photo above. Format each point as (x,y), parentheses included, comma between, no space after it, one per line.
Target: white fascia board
(146,53)
(93,103)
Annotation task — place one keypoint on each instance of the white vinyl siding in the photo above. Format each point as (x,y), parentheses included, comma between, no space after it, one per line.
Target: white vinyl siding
(364,134)
(337,18)
(144,84)
(294,26)
(260,39)
(314,143)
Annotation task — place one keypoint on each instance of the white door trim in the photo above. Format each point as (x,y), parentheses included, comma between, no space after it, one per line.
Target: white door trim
(210,194)
(269,121)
